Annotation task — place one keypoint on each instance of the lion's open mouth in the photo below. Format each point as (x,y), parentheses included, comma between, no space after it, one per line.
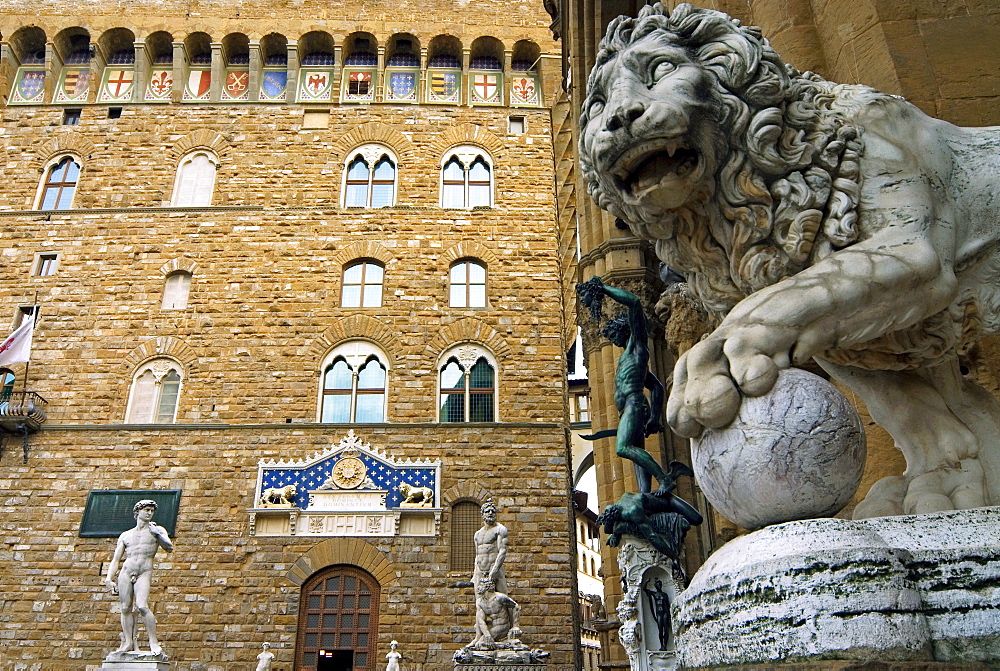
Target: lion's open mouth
(648,166)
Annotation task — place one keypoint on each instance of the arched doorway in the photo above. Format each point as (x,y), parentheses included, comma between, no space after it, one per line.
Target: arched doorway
(338,620)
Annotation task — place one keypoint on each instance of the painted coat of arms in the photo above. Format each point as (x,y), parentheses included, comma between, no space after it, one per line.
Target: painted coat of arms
(30,87)
(75,84)
(161,82)
(273,85)
(237,86)
(523,91)
(359,85)
(117,85)
(314,85)
(485,89)
(443,87)
(402,86)
(198,85)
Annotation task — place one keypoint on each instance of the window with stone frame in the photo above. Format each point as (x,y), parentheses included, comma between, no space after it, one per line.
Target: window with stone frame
(353,384)
(362,284)
(466,178)
(195,180)
(7,379)
(46,264)
(60,185)
(156,388)
(467,385)
(465,521)
(467,284)
(370,177)
(176,288)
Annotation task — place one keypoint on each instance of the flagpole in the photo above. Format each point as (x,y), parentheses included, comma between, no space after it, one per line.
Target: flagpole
(27,364)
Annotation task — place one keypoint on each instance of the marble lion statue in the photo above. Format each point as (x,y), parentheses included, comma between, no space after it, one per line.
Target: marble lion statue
(417,496)
(277,496)
(814,220)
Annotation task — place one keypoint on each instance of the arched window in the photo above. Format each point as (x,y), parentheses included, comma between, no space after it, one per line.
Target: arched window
(175,290)
(6,384)
(354,384)
(465,520)
(362,285)
(156,388)
(466,178)
(338,620)
(467,385)
(370,178)
(60,185)
(195,180)
(467,284)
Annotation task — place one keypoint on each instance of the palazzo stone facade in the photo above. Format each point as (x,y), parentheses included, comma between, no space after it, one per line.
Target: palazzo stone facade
(246,265)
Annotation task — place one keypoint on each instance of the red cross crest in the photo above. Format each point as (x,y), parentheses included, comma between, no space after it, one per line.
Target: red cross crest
(486,86)
(119,83)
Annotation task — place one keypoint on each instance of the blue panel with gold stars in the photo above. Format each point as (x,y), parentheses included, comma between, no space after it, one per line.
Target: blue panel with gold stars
(350,466)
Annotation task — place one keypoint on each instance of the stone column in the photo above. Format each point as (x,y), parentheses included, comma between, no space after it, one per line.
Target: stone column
(52,68)
(8,68)
(508,57)
(140,71)
(292,90)
(180,71)
(218,73)
(255,67)
(379,94)
(466,63)
(338,67)
(96,67)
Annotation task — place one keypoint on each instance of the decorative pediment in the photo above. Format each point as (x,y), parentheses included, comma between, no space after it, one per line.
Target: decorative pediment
(351,489)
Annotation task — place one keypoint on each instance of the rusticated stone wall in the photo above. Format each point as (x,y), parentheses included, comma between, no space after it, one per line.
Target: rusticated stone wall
(266,260)
(222,592)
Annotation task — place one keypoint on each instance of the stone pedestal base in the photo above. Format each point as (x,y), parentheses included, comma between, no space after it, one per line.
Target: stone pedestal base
(136,661)
(510,654)
(915,588)
(641,565)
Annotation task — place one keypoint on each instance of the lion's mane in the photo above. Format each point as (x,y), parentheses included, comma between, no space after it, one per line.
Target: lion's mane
(785,193)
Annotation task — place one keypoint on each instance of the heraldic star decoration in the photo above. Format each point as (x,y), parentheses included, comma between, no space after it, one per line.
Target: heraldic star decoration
(350,464)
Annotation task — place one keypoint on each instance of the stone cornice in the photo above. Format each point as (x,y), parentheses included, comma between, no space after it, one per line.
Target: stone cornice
(299,426)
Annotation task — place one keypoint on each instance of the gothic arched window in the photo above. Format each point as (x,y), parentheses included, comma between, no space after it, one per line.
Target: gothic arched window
(370,178)
(467,385)
(466,178)
(354,382)
(195,180)
(156,389)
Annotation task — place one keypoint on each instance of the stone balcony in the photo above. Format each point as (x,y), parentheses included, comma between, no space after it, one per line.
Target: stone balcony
(21,413)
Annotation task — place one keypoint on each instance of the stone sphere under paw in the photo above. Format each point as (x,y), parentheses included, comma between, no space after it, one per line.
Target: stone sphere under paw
(797,452)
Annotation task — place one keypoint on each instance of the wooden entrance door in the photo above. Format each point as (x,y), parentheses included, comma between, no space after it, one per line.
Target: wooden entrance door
(338,621)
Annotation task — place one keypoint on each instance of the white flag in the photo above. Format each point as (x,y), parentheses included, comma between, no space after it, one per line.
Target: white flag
(17,347)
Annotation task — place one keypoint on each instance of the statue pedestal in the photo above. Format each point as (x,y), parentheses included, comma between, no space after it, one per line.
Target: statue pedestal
(135,661)
(510,654)
(914,588)
(641,565)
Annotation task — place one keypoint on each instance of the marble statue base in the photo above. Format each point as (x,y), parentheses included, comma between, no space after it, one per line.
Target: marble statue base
(136,661)
(506,654)
(641,565)
(914,588)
